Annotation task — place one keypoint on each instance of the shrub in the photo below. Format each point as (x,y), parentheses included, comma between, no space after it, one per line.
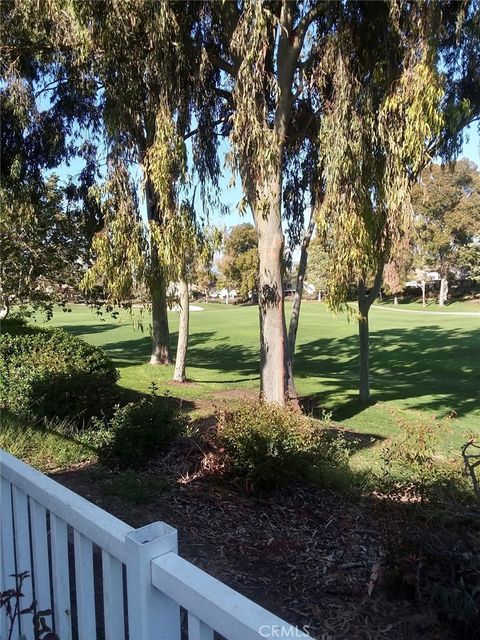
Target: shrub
(138,431)
(268,445)
(50,374)
(412,465)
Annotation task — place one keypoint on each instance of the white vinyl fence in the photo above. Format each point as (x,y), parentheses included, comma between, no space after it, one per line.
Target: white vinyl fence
(101,579)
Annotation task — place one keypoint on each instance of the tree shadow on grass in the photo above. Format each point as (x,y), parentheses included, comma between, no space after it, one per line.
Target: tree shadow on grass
(84,329)
(203,353)
(434,368)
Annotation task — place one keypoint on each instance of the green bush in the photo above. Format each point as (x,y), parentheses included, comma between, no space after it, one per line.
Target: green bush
(138,431)
(412,465)
(51,374)
(268,445)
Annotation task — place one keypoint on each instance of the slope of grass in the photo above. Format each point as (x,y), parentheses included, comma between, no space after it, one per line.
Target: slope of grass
(421,364)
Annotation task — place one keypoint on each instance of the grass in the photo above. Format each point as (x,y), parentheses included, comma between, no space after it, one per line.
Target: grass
(420,364)
(48,447)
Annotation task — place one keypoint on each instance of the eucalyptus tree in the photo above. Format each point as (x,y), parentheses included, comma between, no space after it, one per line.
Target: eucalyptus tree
(265,51)
(389,108)
(384,110)
(46,223)
(134,55)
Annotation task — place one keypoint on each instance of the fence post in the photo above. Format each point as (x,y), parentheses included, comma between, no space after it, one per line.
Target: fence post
(151,614)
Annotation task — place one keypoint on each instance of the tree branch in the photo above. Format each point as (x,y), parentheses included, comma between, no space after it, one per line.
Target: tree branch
(223,93)
(194,131)
(220,63)
(302,27)
(370,299)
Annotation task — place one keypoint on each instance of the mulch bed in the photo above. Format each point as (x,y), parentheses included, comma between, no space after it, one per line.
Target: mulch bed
(309,555)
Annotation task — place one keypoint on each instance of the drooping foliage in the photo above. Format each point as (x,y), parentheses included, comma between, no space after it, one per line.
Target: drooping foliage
(383,112)
(119,249)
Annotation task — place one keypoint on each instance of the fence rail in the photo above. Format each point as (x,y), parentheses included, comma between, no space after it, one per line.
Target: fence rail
(106,580)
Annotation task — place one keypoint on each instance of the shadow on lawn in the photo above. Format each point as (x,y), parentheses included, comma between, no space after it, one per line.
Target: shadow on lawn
(434,368)
(88,329)
(220,356)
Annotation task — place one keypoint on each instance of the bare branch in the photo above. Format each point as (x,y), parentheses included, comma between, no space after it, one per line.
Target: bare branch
(302,27)
(194,131)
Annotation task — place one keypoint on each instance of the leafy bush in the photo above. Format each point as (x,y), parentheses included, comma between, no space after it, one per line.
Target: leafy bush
(412,465)
(48,373)
(137,431)
(268,445)
(17,324)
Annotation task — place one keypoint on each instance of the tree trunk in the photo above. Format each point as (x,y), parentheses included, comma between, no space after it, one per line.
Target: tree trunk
(182,344)
(442,298)
(264,192)
(273,330)
(363,334)
(424,301)
(158,292)
(395,300)
(297,302)
(364,303)
(160,332)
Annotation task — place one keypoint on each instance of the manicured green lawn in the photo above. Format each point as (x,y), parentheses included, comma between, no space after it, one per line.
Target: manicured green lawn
(421,364)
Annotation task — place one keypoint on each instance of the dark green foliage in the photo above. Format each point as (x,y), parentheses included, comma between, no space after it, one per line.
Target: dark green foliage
(48,373)
(138,431)
(268,445)
(412,467)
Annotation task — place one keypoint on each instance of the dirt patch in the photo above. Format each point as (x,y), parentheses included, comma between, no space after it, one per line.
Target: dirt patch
(311,556)
(236,394)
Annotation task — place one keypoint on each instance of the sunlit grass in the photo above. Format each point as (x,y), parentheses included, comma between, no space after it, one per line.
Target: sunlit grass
(419,363)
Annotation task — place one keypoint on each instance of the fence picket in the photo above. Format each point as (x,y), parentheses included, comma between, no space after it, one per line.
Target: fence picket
(23,557)
(60,577)
(37,515)
(85,588)
(198,630)
(114,614)
(41,571)
(7,552)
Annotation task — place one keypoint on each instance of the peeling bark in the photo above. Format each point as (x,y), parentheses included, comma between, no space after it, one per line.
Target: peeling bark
(182,344)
